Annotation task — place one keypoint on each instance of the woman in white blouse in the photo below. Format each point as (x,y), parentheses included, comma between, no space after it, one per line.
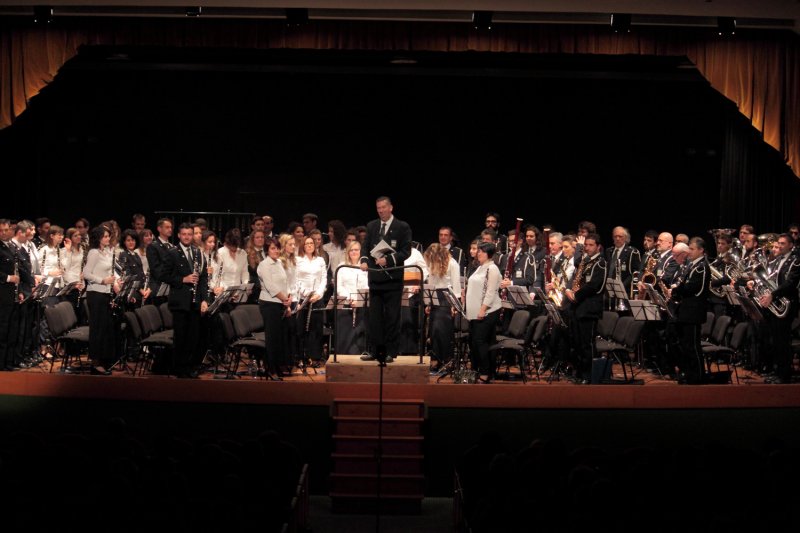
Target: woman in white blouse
(311,278)
(350,325)
(53,258)
(483,309)
(232,261)
(336,247)
(443,275)
(99,274)
(273,302)
(73,261)
(288,259)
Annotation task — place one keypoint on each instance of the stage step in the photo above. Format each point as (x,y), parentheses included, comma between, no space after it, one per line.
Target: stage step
(354,475)
(369,408)
(390,427)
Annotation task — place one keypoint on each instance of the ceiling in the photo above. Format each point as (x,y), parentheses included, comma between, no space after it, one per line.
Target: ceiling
(765,14)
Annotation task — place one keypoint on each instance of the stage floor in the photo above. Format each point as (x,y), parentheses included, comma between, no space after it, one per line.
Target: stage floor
(314,389)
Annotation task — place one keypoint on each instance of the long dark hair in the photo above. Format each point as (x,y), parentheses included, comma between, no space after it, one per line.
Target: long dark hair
(96,235)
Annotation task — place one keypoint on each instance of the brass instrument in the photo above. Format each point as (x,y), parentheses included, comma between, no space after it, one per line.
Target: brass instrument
(763,284)
(716,275)
(621,304)
(557,294)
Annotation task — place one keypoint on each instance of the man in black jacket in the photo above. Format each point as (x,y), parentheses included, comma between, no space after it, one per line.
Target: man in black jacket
(385,287)
(156,258)
(9,297)
(622,258)
(689,291)
(186,273)
(590,275)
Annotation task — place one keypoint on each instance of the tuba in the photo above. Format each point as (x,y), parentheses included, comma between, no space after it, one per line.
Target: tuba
(716,275)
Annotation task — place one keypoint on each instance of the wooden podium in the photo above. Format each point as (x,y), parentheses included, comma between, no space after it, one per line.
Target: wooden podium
(404,369)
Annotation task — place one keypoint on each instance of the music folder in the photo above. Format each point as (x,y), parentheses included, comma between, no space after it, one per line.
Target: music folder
(381,249)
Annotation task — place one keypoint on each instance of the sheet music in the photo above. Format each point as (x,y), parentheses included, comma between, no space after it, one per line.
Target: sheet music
(381,249)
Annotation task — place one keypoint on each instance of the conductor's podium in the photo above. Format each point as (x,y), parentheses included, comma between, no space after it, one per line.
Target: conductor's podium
(405,369)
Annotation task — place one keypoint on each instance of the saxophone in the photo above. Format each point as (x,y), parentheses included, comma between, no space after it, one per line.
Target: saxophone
(648,274)
(577,281)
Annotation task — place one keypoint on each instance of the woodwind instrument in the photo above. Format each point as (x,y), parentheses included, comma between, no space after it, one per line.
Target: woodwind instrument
(16,273)
(196,272)
(512,255)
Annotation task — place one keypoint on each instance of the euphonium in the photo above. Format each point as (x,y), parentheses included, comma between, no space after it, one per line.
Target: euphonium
(763,285)
(716,275)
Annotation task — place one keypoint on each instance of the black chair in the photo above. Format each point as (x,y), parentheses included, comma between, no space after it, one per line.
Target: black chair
(153,337)
(510,346)
(721,354)
(63,324)
(625,339)
(244,326)
(606,325)
(707,327)
(719,332)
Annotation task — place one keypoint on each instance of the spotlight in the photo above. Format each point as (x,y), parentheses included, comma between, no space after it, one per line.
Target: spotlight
(42,15)
(194,11)
(621,22)
(482,20)
(296,16)
(726,26)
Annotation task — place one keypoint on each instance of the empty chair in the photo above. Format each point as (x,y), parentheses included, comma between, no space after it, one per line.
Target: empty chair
(63,324)
(720,354)
(605,326)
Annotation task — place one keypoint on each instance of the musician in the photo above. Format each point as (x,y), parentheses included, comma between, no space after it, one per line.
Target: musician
(157,256)
(473,264)
(649,245)
(350,326)
(269,227)
(586,294)
(274,303)
(525,271)
(720,305)
(186,273)
(316,235)
(443,274)
(138,222)
(101,279)
(361,231)
(531,244)
(483,310)
(256,224)
(74,256)
(296,230)
(689,291)
(255,254)
(554,247)
(203,223)
(785,271)
(622,259)
(10,296)
(232,261)
(53,260)
(563,269)
(145,238)
(745,230)
(197,235)
(311,282)
(492,222)
(351,236)
(288,259)
(683,238)
(132,265)
(446,241)
(310,221)
(42,227)
(29,272)
(386,287)
(335,247)
(794,233)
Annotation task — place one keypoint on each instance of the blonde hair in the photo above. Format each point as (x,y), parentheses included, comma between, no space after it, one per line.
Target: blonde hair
(347,253)
(252,254)
(437,258)
(285,257)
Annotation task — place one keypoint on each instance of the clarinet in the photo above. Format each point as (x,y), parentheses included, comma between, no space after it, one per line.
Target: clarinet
(84,258)
(196,272)
(16,273)
(113,303)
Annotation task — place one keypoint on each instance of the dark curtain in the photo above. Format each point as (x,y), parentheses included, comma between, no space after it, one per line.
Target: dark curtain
(758,70)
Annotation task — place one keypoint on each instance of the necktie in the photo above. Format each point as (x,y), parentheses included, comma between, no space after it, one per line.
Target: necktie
(383,230)
(614,258)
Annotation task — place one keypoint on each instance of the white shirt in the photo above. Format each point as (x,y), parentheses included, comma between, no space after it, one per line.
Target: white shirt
(336,255)
(73,263)
(273,280)
(476,296)
(386,227)
(349,281)
(52,259)
(98,267)
(145,264)
(416,258)
(310,276)
(234,269)
(451,278)
(33,253)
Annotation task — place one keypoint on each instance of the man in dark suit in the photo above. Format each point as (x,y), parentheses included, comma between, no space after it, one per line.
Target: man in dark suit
(785,270)
(187,275)
(587,304)
(622,258)
(9,283)
(446,240)
(689,291)
(156,258)
(385,287)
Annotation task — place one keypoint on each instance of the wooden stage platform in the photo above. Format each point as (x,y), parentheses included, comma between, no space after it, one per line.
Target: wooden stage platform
(317,389)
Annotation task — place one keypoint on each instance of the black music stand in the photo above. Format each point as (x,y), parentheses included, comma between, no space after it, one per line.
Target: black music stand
(68,288)
(519,296)
(163,291)
(749,307)
(644,310)
(616,291)
(457,366)
(658,299)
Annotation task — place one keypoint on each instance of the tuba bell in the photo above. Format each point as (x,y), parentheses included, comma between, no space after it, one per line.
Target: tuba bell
(763,284)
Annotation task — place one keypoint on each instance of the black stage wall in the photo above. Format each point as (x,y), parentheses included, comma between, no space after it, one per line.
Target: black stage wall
(639,141)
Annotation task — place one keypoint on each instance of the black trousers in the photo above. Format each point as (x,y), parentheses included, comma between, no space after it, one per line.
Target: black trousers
(481,336)
(9,322)
(779,341)
(311,340)
(101,328)
(441,332)
(584,333)
(27,330)
(350,336)
(186,327)
(692,361)
(384,319)
(275,332)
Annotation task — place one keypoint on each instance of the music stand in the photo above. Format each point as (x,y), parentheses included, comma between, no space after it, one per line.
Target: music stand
(658,299)
(519,296)
(223,298)
(644,310)
(66,289)
(616,290)
(457,365)
(163,290)
(730,295)
(430,296)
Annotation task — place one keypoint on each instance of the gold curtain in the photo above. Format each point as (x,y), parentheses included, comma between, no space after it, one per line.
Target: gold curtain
(758,71)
